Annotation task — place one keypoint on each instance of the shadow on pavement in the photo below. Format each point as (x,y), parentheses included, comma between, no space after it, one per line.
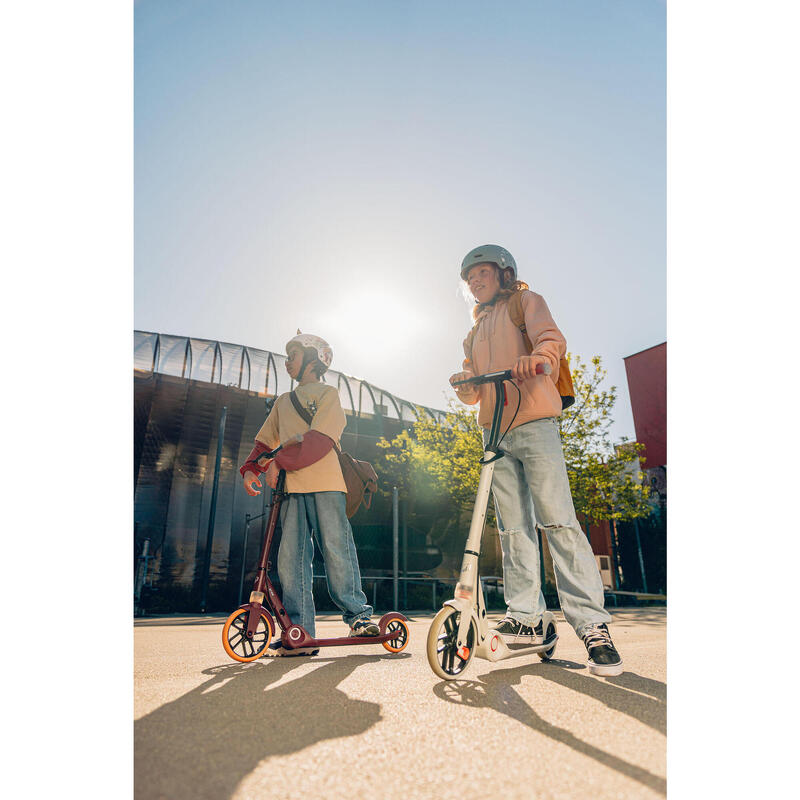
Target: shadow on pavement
(159,622)
(654,615)
(623,693)
(204,743)
(494,690)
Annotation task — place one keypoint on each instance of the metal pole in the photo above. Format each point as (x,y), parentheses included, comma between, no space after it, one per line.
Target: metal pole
(213,511)
(615,556)
(405,554)
(244,555)
(394,544)
(641,559)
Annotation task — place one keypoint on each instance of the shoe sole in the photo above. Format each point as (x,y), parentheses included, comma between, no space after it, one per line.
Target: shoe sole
(284,653)
(510,638)
(354,633)
(606,670)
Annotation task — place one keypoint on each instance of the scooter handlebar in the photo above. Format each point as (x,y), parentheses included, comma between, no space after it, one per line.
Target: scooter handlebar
(503,375)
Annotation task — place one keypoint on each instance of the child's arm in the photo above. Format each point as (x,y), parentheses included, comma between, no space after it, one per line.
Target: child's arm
(266,439)
(251,463)
(313,447)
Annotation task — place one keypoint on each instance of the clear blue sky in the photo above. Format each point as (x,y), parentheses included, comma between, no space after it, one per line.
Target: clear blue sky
(327,165)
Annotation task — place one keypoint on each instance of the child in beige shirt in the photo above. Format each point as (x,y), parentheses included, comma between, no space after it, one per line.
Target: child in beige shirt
(315,506)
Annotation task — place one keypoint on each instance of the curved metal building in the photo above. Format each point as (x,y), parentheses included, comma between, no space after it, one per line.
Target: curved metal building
(181,385)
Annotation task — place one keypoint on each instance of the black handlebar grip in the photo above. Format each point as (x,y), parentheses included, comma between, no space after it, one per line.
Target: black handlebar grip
(503,375)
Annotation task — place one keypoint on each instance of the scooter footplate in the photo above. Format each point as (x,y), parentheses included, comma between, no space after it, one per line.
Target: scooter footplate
(346,640)
(495,649)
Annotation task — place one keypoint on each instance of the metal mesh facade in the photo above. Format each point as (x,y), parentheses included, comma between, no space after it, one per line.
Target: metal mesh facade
(259,371)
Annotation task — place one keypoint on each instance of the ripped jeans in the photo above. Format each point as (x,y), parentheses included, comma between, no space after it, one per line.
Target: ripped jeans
(530,485)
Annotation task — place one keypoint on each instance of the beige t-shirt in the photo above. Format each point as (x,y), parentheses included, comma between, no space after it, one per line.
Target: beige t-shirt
(322,402)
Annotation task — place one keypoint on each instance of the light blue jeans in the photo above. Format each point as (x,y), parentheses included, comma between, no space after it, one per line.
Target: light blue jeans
(319,515)
(530,486)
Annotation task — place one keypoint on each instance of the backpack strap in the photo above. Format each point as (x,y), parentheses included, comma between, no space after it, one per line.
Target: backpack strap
(564,381)
(518,318)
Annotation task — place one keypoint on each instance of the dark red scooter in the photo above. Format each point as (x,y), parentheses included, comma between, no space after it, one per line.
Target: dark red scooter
(249,630)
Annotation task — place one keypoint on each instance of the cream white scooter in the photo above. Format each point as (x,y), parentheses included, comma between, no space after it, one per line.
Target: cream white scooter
(460,630)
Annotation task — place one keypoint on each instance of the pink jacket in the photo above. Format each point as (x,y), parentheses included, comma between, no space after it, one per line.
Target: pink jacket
(498,343)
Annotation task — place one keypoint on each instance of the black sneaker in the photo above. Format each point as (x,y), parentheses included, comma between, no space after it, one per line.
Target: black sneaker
(276,650)
(364,627)
(514,632)
(603,656)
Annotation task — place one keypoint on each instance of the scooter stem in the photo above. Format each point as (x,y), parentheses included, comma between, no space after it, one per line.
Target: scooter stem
(468,586)
(481,505)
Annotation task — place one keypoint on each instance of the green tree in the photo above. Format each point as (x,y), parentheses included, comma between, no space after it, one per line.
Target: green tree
(435,467)
(606,482)
(437,461)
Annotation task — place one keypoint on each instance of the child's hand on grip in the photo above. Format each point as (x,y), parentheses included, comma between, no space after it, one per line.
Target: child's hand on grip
(462,376)
(525,367)
(250,482)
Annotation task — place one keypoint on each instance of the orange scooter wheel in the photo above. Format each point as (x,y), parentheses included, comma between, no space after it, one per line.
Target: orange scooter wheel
(234,636)
(399,641)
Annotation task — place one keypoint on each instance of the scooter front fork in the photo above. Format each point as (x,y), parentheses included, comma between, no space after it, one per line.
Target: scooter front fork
(256,604)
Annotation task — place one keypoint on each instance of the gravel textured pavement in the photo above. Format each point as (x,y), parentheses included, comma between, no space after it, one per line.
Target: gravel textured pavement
(359,722)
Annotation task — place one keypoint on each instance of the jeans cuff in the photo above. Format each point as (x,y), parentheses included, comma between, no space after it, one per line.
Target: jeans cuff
(361,615)
(580,630)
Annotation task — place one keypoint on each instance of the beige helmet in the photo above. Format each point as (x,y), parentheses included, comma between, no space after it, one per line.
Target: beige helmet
(323,351)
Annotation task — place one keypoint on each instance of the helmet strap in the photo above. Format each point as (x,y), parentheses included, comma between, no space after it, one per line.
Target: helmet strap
(308,359)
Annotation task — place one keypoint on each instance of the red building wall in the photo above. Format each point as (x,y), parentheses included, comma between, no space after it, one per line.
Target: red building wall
(647,386)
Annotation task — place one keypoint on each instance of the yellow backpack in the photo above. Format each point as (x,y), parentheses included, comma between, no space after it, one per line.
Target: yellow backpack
(564,382)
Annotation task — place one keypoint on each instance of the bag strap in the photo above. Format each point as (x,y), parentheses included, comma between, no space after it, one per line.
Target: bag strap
(298,407)
(305,416)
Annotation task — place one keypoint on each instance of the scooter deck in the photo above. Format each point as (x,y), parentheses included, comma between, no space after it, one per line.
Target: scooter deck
(524,649)
(493,648)
(342,640)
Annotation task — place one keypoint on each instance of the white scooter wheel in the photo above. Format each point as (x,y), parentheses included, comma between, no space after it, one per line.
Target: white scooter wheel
(442,646)
(549,631)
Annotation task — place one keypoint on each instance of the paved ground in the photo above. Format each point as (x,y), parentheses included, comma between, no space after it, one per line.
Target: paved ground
(360,722)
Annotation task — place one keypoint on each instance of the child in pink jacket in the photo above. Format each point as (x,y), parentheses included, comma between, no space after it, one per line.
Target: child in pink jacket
(530,485)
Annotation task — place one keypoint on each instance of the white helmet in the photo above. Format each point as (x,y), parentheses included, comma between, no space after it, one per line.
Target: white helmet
(317,343)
